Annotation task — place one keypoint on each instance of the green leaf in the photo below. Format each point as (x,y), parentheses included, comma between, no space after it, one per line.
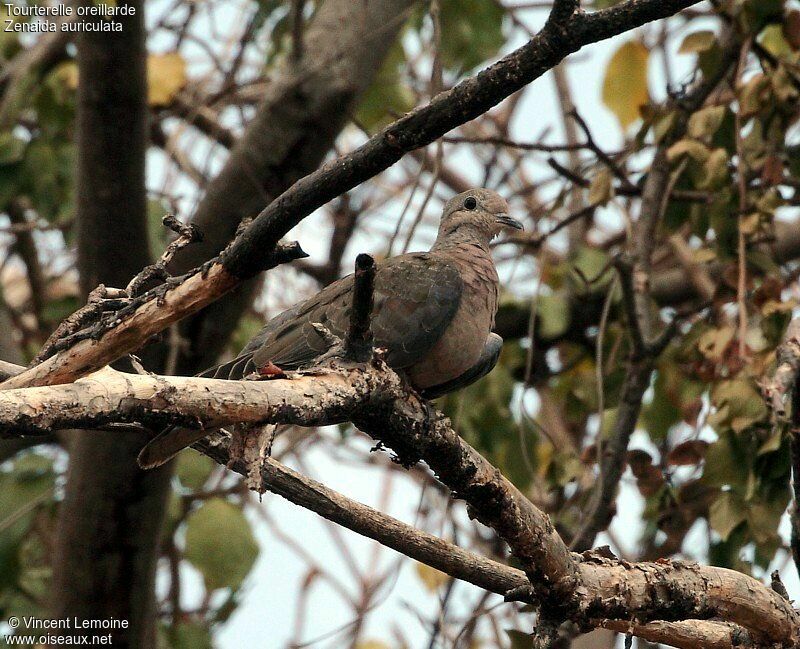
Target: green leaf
(660,414)
(552,314)
(190,635)
(727,462)
(220,543)
(388,95)
(472,31)
(519,639)
(586,265)
(727,512)
(739,405)
(763,517)
(625,85)
(12,149)
(193,469)
(28,480)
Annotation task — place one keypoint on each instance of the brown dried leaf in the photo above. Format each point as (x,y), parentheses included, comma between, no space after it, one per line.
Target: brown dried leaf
(687,453)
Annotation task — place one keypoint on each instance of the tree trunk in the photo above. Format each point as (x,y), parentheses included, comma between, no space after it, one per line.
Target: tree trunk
(110,518)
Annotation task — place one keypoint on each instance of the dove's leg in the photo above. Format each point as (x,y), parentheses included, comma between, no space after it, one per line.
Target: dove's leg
(488,359)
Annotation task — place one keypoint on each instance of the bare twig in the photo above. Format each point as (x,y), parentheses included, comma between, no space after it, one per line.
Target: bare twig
(741,241)
(358,342)
(187,234)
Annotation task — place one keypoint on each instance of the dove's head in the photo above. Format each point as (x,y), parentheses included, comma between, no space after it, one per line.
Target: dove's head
(475,215)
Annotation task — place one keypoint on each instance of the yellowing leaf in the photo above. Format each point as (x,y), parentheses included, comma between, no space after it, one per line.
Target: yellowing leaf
(695,150)
(703,255)
(67,73)
(750,223)
(704,123)
(751,95)
(431,578)
(625,84)
(773,40)
(601,190)
(166,76)
(662,126)
(713,343)
(695,42)
(372,644)
(715,171)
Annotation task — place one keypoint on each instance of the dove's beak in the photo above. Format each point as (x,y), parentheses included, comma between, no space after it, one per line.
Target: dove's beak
(507,221)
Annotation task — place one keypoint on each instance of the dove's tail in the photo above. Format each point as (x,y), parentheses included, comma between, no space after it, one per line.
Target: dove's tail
(163,447)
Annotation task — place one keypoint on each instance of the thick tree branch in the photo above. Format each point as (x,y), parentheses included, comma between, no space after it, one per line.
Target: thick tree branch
(129,328)
(598,588)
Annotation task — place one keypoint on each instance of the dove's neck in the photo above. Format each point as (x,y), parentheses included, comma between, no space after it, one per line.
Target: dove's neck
(463,238)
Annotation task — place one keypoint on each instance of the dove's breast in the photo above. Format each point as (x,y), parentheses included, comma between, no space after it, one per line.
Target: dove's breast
(461,344)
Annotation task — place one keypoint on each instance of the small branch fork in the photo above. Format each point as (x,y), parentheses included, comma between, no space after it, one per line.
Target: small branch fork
(187,234)
(611,455)
(104,299)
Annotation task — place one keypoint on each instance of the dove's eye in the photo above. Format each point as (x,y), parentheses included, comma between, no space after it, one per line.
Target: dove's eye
(470,203)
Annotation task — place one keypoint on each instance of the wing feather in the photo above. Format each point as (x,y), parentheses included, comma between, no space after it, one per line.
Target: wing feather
(416,297)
